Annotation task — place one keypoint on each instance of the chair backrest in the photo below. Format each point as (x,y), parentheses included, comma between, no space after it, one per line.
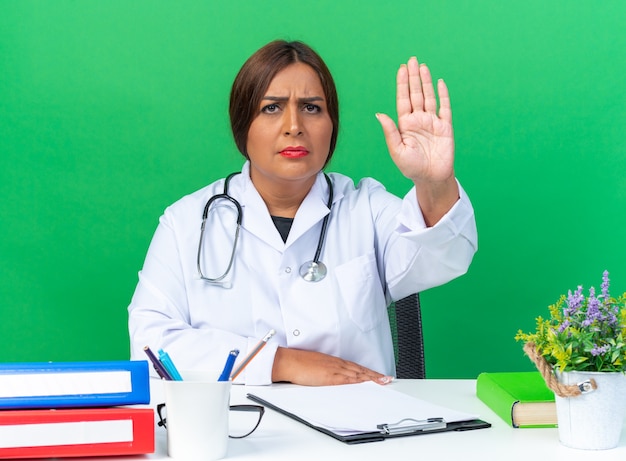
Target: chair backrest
(405,318)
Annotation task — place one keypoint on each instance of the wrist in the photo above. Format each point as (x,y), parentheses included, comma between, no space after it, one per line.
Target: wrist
(280,367)
(435,199)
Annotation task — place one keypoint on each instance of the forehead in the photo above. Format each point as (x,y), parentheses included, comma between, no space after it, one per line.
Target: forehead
(297,78)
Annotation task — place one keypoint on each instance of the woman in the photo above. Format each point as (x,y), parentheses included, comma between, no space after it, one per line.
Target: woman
(373,247)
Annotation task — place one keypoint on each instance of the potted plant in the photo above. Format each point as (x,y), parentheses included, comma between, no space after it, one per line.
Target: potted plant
(581,352)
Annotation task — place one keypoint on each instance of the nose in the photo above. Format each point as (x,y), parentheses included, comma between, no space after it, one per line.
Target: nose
(292,123)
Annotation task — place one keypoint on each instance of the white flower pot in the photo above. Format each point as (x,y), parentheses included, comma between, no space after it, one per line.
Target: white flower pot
(592,421)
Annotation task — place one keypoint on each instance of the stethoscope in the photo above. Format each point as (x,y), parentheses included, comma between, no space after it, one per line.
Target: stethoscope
(311,271)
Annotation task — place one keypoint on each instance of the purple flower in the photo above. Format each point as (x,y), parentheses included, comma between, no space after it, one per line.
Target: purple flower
(566,323)
(574,301)
(599,350)
(593,308)
(605,285)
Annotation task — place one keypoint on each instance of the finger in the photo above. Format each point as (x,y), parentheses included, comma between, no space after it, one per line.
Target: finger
(403,101)
(366,374)
(390,130)
(378,378)
(415,85)
(430,102)
(349,379)
(353,367)
(349,373)
(445,109)
(353,377)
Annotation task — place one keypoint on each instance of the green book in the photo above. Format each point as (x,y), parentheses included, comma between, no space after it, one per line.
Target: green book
(521,398)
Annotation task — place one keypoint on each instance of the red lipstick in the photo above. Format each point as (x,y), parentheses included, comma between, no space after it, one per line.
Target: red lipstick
(294,152)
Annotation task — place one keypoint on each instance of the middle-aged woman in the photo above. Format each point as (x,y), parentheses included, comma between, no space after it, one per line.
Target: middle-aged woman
(204,292)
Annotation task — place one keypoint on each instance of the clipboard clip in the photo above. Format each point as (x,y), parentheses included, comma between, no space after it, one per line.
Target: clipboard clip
(408,425)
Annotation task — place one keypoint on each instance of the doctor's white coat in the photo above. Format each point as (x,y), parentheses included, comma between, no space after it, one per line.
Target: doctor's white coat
(377,249)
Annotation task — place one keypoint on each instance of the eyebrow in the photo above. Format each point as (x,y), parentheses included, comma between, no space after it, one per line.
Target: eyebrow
(284,98)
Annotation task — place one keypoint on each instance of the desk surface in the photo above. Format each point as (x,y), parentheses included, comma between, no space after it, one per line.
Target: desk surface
(280,438)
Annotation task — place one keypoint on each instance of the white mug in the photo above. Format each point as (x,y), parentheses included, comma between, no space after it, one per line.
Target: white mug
(197,416)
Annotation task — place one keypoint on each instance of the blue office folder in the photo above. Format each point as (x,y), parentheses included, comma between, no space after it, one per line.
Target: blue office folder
(73,384)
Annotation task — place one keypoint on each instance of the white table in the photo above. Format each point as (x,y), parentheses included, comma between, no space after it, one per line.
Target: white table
(281,438)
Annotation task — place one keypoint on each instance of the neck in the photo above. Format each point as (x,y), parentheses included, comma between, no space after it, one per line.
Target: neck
(283,198)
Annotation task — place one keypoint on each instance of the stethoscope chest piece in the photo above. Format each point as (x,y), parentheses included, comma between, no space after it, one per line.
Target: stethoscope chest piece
(312,271)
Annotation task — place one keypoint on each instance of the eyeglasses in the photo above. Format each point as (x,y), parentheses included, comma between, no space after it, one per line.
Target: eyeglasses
(241,419)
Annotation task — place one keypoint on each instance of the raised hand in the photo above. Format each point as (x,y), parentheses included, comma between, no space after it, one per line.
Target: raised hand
(422,144)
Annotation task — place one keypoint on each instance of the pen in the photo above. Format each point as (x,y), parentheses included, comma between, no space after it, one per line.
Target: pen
(230,361)
(169,365)
(158,366)
(253,354)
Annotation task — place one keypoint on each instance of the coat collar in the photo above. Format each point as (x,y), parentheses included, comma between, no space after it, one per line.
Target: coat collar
(256,217)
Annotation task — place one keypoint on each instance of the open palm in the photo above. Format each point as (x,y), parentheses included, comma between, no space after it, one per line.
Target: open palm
(422,144)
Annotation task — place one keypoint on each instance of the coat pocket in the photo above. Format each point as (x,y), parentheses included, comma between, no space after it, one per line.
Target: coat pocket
(361,291)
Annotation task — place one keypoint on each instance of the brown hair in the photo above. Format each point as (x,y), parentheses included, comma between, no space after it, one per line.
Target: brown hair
(255,77)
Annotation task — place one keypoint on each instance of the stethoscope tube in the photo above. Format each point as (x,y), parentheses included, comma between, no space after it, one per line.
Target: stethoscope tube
(205,215)
(311,271)
(322,239)
(314,271)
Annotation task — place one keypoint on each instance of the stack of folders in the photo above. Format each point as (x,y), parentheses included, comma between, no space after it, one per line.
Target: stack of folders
(69,409)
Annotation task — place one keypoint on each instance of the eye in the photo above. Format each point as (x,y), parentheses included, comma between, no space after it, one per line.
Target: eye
(312,108)
(270,109)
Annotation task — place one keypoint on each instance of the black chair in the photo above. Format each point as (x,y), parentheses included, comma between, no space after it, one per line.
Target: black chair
(405,318)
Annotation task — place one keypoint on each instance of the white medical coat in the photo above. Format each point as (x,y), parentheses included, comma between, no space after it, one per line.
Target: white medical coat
(377,249)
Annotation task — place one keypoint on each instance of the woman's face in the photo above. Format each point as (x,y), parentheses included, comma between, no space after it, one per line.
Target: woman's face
(289,140)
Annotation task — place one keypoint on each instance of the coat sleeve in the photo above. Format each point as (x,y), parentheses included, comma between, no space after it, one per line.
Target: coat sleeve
(160,315)
(418,257)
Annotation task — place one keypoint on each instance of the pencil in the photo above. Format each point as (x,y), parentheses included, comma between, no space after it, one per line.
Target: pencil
(252,354)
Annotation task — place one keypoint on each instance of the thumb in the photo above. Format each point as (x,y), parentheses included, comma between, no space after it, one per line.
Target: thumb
(390,130)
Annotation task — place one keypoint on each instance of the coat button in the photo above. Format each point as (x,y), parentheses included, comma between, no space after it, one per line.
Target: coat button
(288,270)
(296,332)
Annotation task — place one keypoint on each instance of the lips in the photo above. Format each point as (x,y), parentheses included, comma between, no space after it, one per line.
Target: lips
(294,152)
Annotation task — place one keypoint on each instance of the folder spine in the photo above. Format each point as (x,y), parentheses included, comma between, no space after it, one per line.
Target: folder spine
(140,442)
(66,373)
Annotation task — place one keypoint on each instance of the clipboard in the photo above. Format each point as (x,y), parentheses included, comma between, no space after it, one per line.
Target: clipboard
(402,427)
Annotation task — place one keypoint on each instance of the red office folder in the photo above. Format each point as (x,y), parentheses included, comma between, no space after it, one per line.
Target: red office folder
(76,432)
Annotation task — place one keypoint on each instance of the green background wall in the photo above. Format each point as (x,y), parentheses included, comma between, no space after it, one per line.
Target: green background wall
(111,110)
